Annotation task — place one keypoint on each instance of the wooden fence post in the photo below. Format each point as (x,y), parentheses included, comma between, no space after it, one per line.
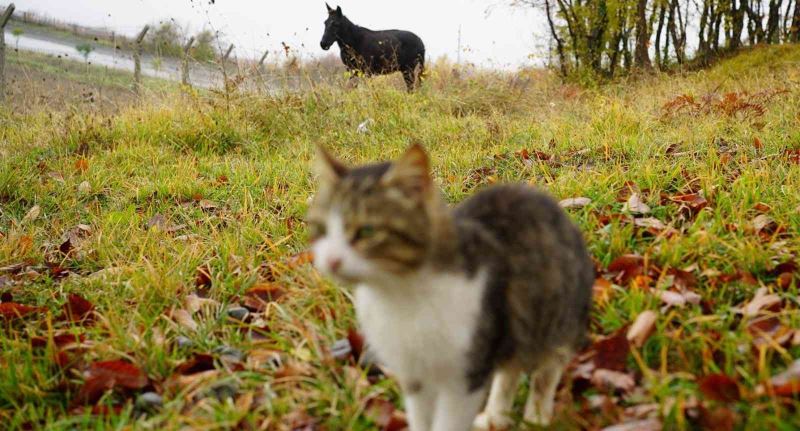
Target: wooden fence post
(137,61)
(225,69)
(185,62)
(3,21)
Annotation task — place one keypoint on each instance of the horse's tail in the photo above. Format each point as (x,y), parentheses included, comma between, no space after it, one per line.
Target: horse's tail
(422,73)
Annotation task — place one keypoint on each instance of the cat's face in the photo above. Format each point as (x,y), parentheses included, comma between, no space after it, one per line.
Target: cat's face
(370,222)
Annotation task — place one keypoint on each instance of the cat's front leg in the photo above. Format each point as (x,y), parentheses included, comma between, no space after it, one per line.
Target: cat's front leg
(419,399)
(456,408)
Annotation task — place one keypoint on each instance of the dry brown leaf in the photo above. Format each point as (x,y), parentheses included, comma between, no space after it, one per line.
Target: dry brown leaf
(612,380)
(638,425)
(760,301)
(184,318)
(635,205)
(642,327)
(579,202)
(32,214)
(720,387)
(195,303)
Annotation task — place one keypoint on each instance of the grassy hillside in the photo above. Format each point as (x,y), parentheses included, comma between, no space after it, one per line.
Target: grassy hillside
(41,82)
(164,216)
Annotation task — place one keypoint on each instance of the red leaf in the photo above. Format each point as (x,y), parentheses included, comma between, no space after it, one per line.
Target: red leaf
(694,202)
(11,310)
(792,155)
(196,364)
(612,351)
(76,308)
(257,297)
(59,340)
(107,375)
(81,165)
(356,343)
(203,277)
(720,387)
(719,419)
(628,266)
(757,143)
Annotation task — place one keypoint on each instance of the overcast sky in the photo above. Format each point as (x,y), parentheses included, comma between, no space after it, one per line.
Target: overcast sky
(504,38)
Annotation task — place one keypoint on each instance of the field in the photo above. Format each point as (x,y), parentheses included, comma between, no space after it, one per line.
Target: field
(153,270)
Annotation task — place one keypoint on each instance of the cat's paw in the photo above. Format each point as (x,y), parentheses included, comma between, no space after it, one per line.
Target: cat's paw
(492,422)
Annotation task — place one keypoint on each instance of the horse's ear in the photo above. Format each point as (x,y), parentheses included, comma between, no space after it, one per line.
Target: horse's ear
(330,9)
(339,11)
(326,167)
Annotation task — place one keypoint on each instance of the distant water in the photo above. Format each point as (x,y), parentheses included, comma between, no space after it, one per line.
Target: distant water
(169,68)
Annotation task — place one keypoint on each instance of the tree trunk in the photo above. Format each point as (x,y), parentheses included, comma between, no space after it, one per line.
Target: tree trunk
(562,59)
(737,24)
(659,29)
(774,21)
(794,31)
(642,36)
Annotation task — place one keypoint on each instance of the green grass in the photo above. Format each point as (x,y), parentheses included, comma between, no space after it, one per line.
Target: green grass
(252,158)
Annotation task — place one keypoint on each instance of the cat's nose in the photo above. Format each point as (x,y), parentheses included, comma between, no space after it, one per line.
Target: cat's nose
(334,264)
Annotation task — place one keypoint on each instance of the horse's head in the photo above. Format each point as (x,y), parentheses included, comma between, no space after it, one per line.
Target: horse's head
(332,26)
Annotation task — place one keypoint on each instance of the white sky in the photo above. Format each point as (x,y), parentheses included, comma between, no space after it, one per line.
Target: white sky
(505,38)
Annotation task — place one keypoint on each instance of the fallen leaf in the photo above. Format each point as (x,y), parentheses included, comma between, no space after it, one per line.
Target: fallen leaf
(259,296)
(601,290)
(763,222)
(84,187)
(32,214)
(760,301)
(642,327)
(612,380)
(76,308)
(636,425)
(757,144)
(183,318)
(574,202)
(627,267)
(11,310)
(693,202)
(106,375)
(59,341)
(363,127)
(299,259)
(202,277)
(198,363)
(195,303)
(635,205)
(81,165)
(356,343)
(786,383)
(720,387)
(678,299)
(207,205)
(611,352)
(720,418)
(259,359)
(762,207)
(157,221)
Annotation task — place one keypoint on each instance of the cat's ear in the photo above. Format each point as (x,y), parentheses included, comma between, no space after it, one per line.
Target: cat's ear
(412,168)
(327,168)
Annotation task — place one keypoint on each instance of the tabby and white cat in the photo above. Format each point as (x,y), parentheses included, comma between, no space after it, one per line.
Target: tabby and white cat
(453,299)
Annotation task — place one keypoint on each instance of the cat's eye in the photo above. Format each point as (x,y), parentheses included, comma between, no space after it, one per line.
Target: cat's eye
(364,232)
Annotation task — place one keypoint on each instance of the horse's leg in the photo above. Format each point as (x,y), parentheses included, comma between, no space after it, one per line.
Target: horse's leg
(408,77)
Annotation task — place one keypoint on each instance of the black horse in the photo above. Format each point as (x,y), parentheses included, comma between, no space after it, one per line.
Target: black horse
(371,52)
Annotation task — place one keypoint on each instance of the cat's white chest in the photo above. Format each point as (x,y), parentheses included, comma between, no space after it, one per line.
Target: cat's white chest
(422,328)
